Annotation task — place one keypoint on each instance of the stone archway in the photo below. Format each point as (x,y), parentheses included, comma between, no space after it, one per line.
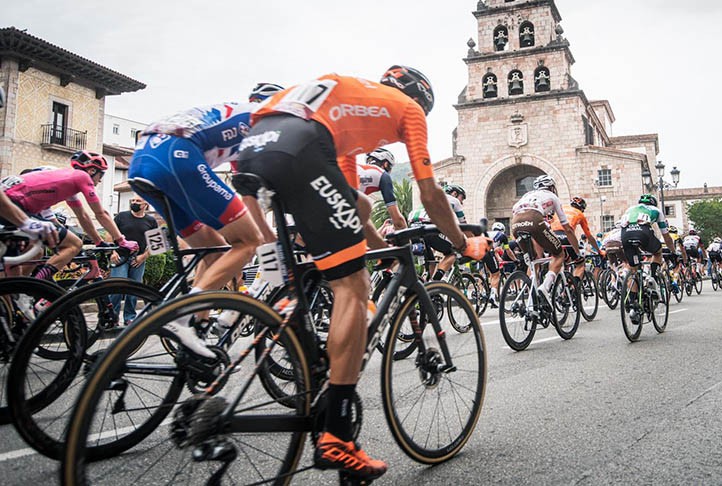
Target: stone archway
(498,184)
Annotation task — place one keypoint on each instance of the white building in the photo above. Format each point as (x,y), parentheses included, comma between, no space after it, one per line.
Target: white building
(118,142)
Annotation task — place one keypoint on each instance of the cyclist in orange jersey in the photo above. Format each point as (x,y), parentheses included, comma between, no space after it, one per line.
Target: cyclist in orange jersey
(575,215)
(304,142)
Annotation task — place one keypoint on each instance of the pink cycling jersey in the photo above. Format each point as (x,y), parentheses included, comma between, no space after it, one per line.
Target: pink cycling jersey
(36,191)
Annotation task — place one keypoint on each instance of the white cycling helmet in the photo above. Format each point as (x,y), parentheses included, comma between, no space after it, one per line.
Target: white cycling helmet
(263,91)
(717,239)
(544,182)
(379,156)
(499,227)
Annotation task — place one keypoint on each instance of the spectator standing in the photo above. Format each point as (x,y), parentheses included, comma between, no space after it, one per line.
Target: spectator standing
(134,222)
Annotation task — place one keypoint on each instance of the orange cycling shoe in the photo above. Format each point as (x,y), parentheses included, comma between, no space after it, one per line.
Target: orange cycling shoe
(333,453)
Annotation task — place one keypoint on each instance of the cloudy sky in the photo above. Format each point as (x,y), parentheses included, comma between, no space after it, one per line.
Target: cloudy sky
(656,61)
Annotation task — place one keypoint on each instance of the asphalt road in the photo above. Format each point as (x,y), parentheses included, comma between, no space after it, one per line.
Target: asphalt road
(592,410)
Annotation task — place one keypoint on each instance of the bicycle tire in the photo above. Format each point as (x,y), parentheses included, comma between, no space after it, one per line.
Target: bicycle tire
(518,333)
(39,420)
(439,384)
(15,322)
(688,283)
(698,283)
(589,293)
(714,279)
(660,304)
(405,335)
(467,286)
(631,330)
(77,469)
(609,286)
(484,293)
(566,302)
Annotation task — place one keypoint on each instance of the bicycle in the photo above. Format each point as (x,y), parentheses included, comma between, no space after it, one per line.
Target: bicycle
(714,275)
(213,428)
(673,271)
(521,310)
(643,296)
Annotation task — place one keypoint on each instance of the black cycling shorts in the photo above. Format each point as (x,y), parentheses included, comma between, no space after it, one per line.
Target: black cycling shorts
(297,158)
(715,256)
(569,248)
(692,252)
(646,238)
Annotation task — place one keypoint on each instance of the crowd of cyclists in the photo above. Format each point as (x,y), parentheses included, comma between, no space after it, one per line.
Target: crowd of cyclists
(303,143)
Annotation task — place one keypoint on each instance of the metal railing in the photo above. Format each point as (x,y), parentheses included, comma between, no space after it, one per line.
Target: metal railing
(67,137)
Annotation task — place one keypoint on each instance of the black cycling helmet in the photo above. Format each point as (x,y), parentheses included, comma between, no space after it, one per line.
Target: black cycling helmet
(413,83)
(648,199)
(449,188)
(579,203)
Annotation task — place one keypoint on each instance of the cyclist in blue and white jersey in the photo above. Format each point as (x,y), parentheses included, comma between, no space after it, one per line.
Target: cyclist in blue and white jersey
(177,154)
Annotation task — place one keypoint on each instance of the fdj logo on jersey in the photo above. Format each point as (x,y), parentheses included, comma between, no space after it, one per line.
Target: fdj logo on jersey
(344,214)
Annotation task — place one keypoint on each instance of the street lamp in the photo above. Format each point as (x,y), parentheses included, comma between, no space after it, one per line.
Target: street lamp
(661,184)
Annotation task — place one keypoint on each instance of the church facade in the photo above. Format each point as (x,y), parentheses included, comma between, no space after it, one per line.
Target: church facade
(522,114)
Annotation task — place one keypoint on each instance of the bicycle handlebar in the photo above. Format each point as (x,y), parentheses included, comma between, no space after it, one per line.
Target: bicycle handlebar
(407,235)
(33,252)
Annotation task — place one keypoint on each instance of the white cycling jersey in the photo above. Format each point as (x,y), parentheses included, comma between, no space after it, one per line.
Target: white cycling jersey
(614,236)
(543,201)
(691,242)
(714,247)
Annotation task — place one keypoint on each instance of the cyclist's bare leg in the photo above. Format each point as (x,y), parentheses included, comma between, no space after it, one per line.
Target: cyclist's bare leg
(66,250)
(347,333)
(242,234)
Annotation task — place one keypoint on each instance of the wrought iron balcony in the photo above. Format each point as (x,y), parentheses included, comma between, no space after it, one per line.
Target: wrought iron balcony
(56,136)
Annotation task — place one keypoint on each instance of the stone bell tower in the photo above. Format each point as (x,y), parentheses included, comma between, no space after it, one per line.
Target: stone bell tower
(522,114)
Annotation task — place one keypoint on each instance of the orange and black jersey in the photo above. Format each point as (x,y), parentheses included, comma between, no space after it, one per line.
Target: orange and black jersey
(575,217)
(361,116)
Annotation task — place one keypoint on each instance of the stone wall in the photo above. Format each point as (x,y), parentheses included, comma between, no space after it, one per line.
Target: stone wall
(541,17)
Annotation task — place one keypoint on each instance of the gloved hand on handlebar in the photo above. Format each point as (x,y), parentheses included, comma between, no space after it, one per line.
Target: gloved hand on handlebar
(103,244)
(43,230)
(476,247)
(129,245)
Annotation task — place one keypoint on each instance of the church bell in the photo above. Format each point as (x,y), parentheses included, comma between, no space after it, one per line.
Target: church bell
(490,90)
(527,38)
(500,42)
(542,83)
(516,87)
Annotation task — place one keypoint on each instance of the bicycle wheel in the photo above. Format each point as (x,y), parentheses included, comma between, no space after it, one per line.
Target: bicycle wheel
(517,325)
(714,278)
(406,344)
(482,283)
(632,312)
(659,303)
(432,412)
(698,283)
(20,297)
(676,286)
(188,450)
(688,283)
(467,285)
(567,308)
(609,284)
(42,385)
(589,296)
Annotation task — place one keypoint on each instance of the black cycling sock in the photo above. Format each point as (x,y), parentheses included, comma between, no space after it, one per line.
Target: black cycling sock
(438,275)
(338,411)
(655,268)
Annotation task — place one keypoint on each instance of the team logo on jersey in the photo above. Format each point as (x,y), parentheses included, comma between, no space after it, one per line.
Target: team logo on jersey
(344,214)
(258,142)
(158,139)
(212,184)
(343,110)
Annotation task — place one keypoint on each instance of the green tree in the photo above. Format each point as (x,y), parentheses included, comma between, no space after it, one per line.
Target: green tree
(403,193)
(706,217)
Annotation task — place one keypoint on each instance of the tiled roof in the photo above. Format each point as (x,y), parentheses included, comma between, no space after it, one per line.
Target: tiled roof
(33,51)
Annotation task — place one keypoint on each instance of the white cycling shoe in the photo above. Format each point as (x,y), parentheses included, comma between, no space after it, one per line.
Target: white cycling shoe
(188,337)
